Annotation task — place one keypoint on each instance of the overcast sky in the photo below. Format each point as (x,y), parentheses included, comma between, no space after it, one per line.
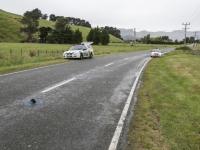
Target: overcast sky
(154,15)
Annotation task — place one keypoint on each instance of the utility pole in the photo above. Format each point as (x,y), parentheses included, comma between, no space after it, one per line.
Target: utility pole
(195,37)
(135,35)
(185,29)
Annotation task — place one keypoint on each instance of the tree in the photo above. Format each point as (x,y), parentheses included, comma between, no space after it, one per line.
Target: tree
(147,39)
(165,38)
(43,33)
(36,14)
(77,37)
(78,21)
(90,35)
(44,16)
(114,31)
(94,36)
(52,17)
(61,36)
(60,24)
(31,23)
(97,36)
(105,38)
(190,39)
(52,37)
(68,35)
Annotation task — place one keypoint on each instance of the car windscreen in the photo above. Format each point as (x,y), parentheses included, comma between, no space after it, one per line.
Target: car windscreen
(156,50)
(78,47)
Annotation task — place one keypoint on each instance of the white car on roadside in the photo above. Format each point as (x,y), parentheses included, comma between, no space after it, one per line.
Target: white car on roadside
(156,53)
(84,50)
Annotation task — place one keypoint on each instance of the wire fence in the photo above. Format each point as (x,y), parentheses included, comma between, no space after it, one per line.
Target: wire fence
(22,56)
(33,53)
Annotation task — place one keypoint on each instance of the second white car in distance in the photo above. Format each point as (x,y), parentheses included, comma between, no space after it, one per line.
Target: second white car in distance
(156,53)
(84,50)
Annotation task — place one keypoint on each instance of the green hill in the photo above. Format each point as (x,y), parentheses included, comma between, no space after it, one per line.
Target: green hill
(84,30)
(10,28)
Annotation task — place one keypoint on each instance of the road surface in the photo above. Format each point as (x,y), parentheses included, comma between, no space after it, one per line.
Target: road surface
(77,107)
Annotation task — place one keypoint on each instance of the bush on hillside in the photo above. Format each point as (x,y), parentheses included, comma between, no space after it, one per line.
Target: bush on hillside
(32,53)
(97,36)
(185,48)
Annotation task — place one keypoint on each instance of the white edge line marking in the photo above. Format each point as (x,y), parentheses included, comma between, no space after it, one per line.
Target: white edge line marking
(109,64)
(32,69)
(58,85)
(118,130)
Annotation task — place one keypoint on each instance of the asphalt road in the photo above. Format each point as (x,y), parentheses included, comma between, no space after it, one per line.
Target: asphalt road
(78,104)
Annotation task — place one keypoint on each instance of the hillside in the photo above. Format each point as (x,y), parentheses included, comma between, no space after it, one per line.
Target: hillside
(10,28)
(84,30)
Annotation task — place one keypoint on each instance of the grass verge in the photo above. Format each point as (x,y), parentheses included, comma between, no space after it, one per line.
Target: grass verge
(9,69)
(167,115)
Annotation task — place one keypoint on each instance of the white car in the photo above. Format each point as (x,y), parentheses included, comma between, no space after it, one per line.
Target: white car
(84,50)
(156,53)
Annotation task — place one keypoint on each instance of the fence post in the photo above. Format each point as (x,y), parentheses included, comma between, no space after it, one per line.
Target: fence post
(10,52)
(21,52)
(38,51)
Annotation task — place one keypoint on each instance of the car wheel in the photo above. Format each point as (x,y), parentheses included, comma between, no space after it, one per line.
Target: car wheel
(91,55)
(81,56)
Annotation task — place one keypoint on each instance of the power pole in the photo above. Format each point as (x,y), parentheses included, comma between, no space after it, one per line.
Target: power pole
(197,39)
(185,29)
(195,36)
(135,35)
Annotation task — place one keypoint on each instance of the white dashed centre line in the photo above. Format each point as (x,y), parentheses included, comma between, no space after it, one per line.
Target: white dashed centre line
(58,85)
(109,64)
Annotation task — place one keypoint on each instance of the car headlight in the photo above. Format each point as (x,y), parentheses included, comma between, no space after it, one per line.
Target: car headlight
(65,53)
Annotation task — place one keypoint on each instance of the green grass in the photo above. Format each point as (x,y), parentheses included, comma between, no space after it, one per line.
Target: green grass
(29,55)
(123,47)
(10,28)
(18,55)
(167,115)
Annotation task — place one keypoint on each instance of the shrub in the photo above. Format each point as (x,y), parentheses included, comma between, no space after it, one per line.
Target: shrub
(32,53)
(185,48)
